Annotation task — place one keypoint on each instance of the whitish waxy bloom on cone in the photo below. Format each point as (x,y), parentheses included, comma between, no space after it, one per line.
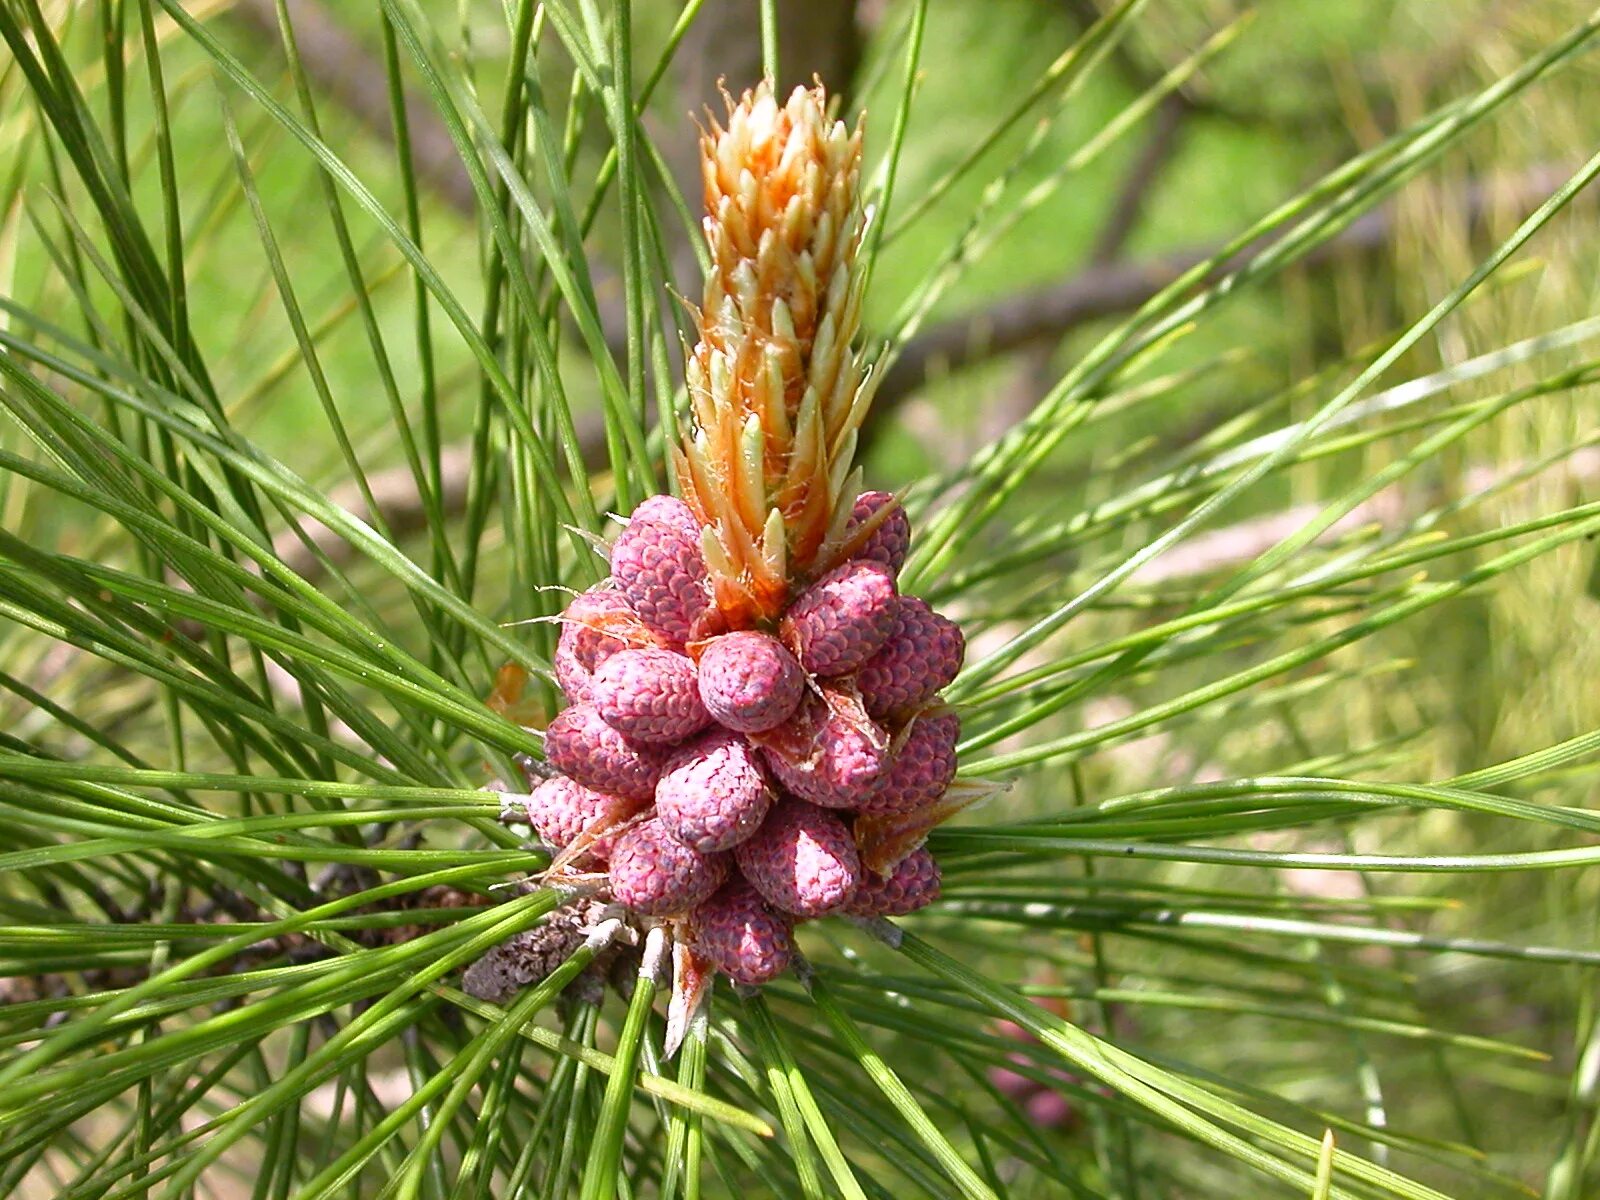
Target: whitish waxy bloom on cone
(843,619)
(919,658)
(661,574)
(775,385)
(713,794)
(802,860)
(911,885)
(561,810)
(657,876)
(749,681)
(580,744)
(650,695)
(744,939)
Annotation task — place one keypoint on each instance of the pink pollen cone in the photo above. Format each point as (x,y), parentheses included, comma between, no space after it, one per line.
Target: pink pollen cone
(650,695)
(830,754)
(713,795)
(843,619)
(660,571)
(744,939)
(656,876)
(920,657)
(801,860)
(749,681)
(667,510)
(592,628)
(579,743)
(921,770)
(912,885)
(891,540)
(561,810)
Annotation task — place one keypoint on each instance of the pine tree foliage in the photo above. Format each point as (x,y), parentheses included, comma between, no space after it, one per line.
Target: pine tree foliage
(257,719)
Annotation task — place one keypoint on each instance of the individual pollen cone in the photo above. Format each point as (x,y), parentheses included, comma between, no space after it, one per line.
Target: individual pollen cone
(775,385)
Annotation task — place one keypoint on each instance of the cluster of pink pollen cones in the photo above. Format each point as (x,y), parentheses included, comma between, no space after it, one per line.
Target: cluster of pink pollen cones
(727,785)
(754,735)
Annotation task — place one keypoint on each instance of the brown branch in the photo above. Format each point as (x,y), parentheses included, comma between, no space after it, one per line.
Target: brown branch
(1112,289)
(1236,545)
(1127,206)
